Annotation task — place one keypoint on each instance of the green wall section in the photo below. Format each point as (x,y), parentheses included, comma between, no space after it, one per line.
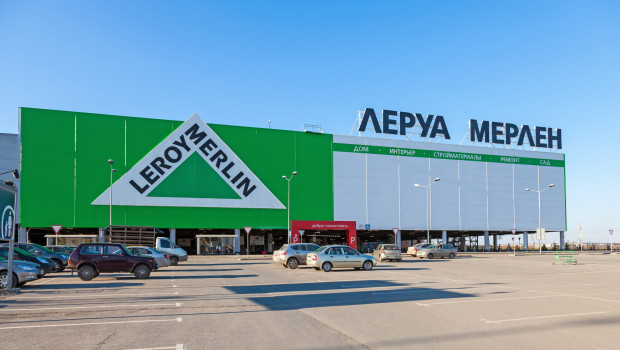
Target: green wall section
(64,168)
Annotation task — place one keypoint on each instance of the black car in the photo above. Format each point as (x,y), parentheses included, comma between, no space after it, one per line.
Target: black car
(39,251)
(47,265)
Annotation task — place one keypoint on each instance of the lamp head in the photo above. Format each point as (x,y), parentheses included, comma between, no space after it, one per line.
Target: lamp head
(284,177)
(111,161)
(294,173)
(528,189)
(16,174)
(417,185)
(113,170)
(9,183)
(552,185)
(437,179)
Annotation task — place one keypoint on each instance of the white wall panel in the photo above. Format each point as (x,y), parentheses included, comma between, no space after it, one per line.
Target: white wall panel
(526,176)
(413,199)
(350,187)
(382,192)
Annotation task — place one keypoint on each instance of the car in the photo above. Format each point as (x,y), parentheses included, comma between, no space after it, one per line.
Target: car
(40,272)
(437,251)
(91,259)
(337,256)
(22,273)
(161,259)
(18,254)
(292,255)
(62,249)
(175,253)
(41,251)
(387,252)
(414,249)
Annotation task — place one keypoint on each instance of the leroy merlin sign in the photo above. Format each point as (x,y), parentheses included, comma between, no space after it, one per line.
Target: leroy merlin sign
(139,186)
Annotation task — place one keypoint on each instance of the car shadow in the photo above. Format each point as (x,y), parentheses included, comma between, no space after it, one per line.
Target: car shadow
(92,284)
(191,277)
(309,287)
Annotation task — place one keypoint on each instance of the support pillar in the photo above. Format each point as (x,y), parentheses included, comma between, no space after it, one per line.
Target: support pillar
(397,240)
(561,240)
(494,243)
(269,243)
(486,241)
(101,236)
(237,241)
(462,248)
(173,235)
(444,237)
(525,242)
(22,235)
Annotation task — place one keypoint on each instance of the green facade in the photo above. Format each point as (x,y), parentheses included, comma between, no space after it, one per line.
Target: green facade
(65,168)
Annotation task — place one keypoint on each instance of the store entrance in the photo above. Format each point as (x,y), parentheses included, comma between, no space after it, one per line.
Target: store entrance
(328,237)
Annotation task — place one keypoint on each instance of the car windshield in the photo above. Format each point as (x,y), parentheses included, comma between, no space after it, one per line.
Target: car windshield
(43,248)
(283,247)
(390,247)
(21,251)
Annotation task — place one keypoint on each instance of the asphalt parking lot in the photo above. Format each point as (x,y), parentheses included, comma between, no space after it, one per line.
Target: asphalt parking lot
(471,302)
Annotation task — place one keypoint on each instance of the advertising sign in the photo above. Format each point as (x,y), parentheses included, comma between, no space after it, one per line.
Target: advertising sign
(7,208)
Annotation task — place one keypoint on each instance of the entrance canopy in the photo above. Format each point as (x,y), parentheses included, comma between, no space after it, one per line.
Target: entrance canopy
(348,226)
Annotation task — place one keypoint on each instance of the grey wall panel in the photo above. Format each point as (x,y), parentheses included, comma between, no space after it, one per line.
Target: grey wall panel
(445,193)
(552,199)
(382,192)
(473,196)
(526,202)
(501,216)
(350,187)
(413,199)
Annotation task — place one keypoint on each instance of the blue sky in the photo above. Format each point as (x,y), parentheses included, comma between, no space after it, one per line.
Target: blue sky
(548,63)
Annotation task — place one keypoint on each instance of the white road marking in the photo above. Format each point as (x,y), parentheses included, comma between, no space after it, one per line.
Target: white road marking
(78,295)
(178,319)
(485,300)
(541,317)
(177,347)
(174,286)
(89,307)
(45,281)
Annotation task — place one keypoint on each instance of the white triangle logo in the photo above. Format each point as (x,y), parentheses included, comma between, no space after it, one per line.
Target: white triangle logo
(194,135)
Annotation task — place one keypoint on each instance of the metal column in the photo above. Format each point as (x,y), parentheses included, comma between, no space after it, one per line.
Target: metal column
(398,240)
(22,235)
(173,235)
(237,241)
(525,241)
(269,242)
(561,240)
(101,237)
(486,241)
(494,243)
(444,237)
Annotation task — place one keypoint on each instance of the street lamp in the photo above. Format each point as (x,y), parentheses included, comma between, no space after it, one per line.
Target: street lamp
(539,226)
(288,206)
(112,171)
(428,205)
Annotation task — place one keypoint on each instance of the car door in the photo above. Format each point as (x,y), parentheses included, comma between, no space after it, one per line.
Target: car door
(336,256)
(91,254)
(352,257)
(114,259)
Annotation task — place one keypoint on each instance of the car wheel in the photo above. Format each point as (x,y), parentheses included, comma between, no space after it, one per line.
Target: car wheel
(430,256)
(327,266)
(142,271)
(451,256)
(4,280)
(59,266)
(292,263)
(367,265)
(174,261)
(87,273)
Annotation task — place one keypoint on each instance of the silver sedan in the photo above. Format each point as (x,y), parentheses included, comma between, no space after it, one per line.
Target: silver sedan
(437,251)
(335,256)
(161,259)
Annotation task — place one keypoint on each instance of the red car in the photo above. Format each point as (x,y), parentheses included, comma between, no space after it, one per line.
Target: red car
(90,259)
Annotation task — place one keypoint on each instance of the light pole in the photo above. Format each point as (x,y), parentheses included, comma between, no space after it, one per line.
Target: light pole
(288,206)
(428,205)
(112,171)
(539,227)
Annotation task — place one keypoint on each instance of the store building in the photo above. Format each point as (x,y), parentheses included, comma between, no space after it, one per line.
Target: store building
(202,184)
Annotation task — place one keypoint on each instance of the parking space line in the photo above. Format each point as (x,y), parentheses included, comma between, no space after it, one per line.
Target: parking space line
(542,317)
(78,295)
(178,319)
(90,307)
(486,300)
(177,347)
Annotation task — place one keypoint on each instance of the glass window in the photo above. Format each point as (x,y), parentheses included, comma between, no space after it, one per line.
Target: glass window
(336,251)
(312,247)
(349,251)
(391,247)
(296,247)
(112,250)
(164,243)
(91,250)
